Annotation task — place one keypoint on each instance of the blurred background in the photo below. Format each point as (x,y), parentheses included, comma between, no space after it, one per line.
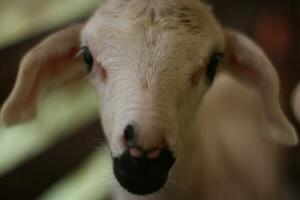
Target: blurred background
(61,154)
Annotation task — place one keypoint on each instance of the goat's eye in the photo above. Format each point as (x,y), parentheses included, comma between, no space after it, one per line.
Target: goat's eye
(88,58)
(212,66)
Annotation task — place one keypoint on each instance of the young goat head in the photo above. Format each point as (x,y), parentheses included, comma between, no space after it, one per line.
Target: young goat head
(151,62)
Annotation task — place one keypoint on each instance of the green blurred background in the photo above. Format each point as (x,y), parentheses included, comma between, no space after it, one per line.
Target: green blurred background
(61,155)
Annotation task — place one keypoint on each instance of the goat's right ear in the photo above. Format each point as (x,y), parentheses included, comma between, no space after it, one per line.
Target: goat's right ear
(50,63)
(248,64)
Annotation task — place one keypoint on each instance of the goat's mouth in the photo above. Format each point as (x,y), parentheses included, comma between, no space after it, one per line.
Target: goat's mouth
(139,186)
(143,175)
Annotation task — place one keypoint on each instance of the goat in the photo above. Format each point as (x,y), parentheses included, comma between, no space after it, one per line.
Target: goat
(187,106)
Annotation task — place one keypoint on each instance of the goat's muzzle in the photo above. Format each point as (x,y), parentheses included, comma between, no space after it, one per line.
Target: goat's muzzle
(143,174)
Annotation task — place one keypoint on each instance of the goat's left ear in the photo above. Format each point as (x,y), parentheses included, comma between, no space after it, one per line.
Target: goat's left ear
(249,65)
(50,64)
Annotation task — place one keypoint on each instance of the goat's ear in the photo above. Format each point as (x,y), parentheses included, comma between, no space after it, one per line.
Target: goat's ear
(249,65)
(50,63)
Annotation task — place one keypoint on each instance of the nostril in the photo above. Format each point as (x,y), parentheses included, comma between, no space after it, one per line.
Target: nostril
(130,135)
(154,153)
(135,152)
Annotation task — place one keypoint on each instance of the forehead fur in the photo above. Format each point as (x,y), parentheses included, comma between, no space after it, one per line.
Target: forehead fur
(190,15)
(179,27)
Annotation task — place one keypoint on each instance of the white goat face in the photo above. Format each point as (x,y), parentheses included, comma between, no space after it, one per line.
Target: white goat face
(150,69)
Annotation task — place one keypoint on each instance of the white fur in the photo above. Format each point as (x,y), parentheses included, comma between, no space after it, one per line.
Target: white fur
(150,49)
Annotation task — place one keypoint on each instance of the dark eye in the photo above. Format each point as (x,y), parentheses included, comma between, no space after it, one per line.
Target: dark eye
(88,58)
(212,66)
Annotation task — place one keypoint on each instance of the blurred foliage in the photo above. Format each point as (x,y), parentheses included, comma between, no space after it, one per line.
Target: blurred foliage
(20,19)
(88,182)
(62,111)
(76,104)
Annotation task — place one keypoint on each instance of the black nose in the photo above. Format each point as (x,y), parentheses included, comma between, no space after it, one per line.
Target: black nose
(143,175)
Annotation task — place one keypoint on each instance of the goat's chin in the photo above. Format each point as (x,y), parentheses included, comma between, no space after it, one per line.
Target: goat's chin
(139,186)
